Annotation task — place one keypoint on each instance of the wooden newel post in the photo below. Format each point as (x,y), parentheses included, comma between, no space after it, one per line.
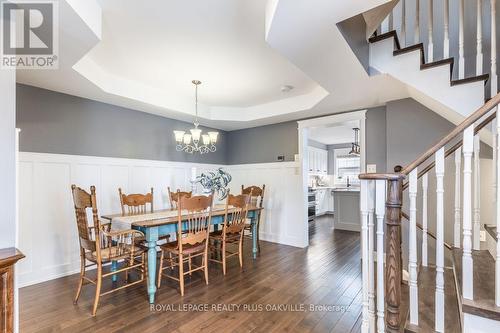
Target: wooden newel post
(393,253)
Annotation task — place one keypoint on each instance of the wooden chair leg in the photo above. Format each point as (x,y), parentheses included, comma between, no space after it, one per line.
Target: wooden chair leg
(240,250)
(171,261)
(224,257)
(97,289)
(205,264)
(80,283)
(189,265)
(181,273)
(160,269)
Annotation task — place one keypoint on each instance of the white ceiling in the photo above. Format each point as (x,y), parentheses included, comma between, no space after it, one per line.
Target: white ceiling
(143,55)
(167,43)
(334,133)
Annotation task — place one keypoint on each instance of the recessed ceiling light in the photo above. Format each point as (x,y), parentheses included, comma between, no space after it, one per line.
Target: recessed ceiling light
(286,88)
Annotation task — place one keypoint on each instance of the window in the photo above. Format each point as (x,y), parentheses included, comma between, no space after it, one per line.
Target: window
(347,167)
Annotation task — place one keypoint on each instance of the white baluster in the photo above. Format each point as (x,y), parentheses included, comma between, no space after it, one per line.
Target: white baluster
(425,186)
(416,37)
(365,323)
(371,268)
(446,40)
(384,26)
(430,18)
(391,20)
(458,197)
(412,265)
(380,189)
(494,146)
(467,268)
(476,245)
(497,208)
(403,23)
(493,71)
(439,321)
(479,39)
(461,59)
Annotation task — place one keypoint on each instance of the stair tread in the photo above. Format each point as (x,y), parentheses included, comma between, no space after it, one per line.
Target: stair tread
(484,284)
(426,302)
(442,62)
(483,77)
(386,35)
(411,48)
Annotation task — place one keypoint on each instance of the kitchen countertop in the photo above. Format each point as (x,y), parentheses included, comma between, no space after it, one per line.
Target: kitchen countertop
(337,189)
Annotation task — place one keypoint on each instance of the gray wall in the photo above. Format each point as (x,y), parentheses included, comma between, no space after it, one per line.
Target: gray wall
(53,122)
(263,144)
(354,31)
(8,158)
(411,130)
(376,141)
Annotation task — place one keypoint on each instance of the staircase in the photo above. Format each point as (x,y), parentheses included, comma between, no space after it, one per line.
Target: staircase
(460,291)
(433,79)
(462,298)
(425,46)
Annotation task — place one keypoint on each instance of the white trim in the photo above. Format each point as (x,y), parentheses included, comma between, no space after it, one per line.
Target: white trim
(336,118)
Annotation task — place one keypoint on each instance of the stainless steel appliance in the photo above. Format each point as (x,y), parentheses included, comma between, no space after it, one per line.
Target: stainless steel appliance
(311,204)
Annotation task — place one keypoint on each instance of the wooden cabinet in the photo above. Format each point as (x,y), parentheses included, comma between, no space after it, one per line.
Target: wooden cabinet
(318,161)
(8,258)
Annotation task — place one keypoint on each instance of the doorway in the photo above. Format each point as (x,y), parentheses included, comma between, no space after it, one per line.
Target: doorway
(332,154)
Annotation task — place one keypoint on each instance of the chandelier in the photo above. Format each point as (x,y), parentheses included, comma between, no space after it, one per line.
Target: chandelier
(190,142)
(355,148)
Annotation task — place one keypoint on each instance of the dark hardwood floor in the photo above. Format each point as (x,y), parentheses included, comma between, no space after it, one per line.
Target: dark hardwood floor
(327,273)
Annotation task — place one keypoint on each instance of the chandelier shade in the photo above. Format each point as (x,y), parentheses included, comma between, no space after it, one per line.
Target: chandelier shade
(190,142)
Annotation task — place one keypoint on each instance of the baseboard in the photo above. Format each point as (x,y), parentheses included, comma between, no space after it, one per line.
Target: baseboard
(283,240)
(347,226)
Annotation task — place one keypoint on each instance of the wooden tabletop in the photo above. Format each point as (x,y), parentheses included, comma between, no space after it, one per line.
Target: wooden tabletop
(173,219)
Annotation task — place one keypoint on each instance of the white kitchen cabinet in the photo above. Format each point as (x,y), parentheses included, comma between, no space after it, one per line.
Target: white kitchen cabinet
(318,161)
(330,205)
(320,200)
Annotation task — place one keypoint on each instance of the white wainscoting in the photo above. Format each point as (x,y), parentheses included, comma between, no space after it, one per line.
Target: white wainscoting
(47,227)
(281,222)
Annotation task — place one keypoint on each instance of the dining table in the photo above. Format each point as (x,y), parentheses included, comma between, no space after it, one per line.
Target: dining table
(165,222)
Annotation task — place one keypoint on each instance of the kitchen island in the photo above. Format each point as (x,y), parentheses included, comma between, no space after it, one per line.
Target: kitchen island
(346,209)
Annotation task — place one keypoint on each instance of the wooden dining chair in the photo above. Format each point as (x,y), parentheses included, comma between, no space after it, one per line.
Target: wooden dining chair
(192,243)
(99,246)
(256,199)
(232,230)
(173,197)
(137,204)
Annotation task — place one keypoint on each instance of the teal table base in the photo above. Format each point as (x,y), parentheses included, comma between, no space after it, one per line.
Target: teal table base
(153,234)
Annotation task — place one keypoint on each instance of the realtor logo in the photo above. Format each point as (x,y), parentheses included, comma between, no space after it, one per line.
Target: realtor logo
(29,36)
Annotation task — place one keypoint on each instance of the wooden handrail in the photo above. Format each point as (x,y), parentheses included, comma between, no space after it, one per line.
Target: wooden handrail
(448,246)
(470,120)
(453,148)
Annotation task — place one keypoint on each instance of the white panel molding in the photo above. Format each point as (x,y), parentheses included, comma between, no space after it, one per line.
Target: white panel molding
(47,227)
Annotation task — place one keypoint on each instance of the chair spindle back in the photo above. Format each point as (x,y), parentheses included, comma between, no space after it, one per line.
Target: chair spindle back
(236,213)
(197,223)
(135,204)
(173,197)
(256,194)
